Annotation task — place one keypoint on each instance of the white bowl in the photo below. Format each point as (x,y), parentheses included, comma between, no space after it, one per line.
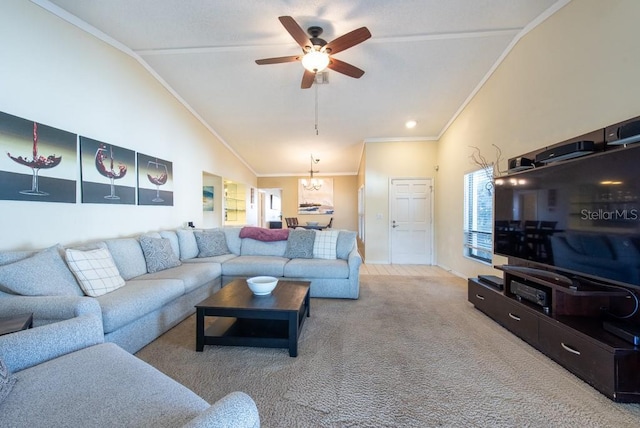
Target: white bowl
(312,223)
(262,285)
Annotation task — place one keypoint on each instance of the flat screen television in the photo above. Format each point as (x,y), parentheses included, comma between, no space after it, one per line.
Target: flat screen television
(579,217)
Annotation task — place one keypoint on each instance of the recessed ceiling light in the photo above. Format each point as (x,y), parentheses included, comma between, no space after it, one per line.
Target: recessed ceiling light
(411,124)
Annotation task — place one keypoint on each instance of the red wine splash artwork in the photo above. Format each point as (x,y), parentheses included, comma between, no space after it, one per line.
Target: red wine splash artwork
(157,173)
(109,172)
(36,163)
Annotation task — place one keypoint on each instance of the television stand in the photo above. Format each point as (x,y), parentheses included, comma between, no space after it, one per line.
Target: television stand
(569,329)
(628,333)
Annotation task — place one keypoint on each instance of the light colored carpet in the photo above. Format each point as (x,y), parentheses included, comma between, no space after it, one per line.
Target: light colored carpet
(411,352)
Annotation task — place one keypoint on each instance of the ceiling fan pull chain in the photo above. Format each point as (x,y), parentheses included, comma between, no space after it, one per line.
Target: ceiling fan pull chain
(317,132)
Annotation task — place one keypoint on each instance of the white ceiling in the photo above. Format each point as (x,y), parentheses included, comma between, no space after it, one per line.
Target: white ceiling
(425,59)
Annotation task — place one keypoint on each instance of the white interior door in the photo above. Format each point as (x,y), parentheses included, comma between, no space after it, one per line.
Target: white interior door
(411,221)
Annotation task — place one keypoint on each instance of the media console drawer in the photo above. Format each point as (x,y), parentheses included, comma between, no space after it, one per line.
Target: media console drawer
(594,364)
(512,315)
(519,320)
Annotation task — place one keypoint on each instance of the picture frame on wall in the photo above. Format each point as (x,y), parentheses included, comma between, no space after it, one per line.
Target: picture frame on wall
(108,173)
(207,198)
(155,181)
(315,201)
(41,163)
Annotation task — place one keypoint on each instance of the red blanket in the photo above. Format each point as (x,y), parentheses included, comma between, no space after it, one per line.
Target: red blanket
(262,234)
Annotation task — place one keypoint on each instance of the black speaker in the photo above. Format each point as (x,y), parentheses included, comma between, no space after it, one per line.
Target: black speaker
(629,130)
(519,163)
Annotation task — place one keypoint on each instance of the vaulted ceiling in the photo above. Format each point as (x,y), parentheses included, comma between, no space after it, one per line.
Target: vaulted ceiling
(424,61)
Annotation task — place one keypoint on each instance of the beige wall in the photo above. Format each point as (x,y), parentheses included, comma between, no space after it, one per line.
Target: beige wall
(576,72)
(345,194)
(56,74)
(384,161)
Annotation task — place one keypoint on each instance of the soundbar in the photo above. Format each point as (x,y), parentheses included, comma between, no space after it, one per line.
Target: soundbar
(566,151)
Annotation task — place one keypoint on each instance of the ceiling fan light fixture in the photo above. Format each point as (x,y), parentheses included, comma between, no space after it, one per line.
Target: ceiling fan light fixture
(315,61)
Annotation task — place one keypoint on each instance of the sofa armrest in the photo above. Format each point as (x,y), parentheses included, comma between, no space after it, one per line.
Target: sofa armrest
(354,261)
(236,410)
(27,348)
(49,309)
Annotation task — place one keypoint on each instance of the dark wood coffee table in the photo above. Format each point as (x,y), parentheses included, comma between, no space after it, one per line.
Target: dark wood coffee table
(244,319)
(15,323)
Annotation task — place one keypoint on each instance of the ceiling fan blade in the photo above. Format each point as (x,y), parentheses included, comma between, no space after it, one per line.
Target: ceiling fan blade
(296,32)
(345,68)
(346,41)
(307,79)
(278,60)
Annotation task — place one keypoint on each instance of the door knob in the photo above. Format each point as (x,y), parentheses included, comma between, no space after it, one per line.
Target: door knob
(394,225)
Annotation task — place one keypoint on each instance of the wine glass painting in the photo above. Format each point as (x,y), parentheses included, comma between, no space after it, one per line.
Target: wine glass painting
(36,163)
(106,173)
(40,164)
(155,181)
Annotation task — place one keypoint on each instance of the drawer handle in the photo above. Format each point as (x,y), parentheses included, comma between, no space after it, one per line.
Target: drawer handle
(570,349)
(479,297)
(515,317)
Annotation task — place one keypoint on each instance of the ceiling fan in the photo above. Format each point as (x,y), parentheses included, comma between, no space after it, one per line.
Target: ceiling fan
(317,53)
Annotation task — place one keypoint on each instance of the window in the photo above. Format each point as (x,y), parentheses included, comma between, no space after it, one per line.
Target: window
(478,215)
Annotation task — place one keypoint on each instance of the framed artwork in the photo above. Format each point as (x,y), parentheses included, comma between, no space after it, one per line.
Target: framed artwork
(207,198)
(41,162)
(274,202)
(314,201)
(108,173)
(155,181)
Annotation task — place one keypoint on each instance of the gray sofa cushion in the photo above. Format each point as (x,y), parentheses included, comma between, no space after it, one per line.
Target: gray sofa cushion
(234,242)
(172,236)
(316,268)
(188,244)
(158,254)
(193,275)
(99,386)
(346,243)
(7,257)
(254,266)
(300,244)
(136,299)
(43,274)
(6,381)
(211,243)
(128,256)
(253,247)
(215,259)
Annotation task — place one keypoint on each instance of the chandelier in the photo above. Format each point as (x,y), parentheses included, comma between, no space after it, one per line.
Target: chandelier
(312,183)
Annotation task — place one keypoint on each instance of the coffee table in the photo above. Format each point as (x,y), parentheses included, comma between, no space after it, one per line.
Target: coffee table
(15,323)
(244,319)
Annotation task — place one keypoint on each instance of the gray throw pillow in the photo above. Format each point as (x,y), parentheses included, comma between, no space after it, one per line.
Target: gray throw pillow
(158,254)
(300,244)
(6,381)
(211,243)
(43,274)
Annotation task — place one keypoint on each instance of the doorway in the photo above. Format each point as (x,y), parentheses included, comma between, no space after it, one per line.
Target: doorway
(411,229)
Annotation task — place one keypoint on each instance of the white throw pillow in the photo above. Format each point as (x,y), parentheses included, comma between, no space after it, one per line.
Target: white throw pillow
(95,270)
(324,246)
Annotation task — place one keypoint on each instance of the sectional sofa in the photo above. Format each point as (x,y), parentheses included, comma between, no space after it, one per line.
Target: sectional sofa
(64,375)
(142,286)
(93,303)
